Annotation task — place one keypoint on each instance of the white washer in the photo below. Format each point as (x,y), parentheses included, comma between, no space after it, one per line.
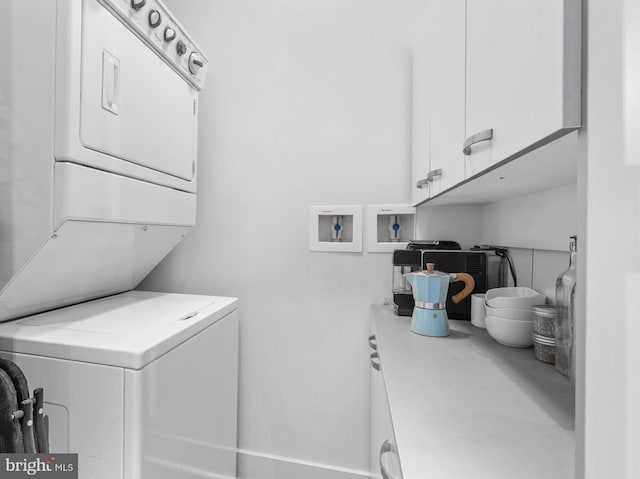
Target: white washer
(141,385)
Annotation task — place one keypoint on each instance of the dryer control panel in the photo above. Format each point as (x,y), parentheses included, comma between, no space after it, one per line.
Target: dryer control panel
(155,25)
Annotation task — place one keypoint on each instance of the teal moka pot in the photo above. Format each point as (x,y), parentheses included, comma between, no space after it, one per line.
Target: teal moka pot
(430,289)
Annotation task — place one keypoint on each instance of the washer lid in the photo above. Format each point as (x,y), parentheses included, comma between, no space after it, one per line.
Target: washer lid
(127,330)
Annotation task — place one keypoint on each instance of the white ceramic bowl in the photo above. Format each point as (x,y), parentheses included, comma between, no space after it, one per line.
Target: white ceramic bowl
(510,332)
(510,313)
(513,297)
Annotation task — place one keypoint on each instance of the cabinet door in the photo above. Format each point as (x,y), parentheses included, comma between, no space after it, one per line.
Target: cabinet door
(133,106)
(447,105)
(377,418)
(522,76)
(419,126)
(382,444)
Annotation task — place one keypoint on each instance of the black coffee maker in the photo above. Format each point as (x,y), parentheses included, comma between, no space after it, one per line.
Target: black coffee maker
(409,260)
(404,261)
(487,265)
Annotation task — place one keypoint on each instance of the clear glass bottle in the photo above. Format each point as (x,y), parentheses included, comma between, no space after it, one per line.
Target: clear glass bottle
(565,306)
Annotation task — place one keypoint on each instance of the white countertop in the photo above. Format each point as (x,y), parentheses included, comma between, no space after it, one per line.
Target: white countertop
(467,407)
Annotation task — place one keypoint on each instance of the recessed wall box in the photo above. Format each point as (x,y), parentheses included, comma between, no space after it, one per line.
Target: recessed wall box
(389,227)
(335,228)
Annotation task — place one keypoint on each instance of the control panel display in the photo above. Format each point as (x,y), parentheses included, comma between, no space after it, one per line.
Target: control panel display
(153,23)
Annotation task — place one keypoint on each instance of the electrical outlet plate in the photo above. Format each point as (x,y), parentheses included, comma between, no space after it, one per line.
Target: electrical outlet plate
(378,235)
(320,228)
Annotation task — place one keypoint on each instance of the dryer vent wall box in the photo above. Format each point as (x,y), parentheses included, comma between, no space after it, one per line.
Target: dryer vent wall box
(99,149)
(124,383)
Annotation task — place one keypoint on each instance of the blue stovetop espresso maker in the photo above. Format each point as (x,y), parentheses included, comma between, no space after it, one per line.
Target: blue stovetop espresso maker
(430,289)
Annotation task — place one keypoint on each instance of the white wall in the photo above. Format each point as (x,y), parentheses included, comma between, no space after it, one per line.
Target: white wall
(543,220)
(457,223)
(611,256)
(306,103)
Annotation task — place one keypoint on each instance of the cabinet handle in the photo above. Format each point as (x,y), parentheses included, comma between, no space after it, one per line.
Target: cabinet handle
(387,447)
(373,342)
(477,138)
(422,183)
(430,177)
(375,364)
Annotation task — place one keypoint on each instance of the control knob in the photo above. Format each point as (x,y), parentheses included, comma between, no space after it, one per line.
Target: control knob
(138,4)
(181,48)
(154,18)
(196,62)
(169,34)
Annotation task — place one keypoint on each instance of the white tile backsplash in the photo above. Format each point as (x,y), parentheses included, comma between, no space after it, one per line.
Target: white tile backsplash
(523,263)
(538,269)
(547,266)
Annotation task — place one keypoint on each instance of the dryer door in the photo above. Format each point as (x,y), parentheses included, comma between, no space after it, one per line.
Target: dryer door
(133,106)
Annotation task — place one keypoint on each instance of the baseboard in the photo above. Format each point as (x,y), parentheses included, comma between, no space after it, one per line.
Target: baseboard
(255,465)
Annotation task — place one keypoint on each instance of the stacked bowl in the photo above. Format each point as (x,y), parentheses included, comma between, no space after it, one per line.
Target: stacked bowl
(509,315)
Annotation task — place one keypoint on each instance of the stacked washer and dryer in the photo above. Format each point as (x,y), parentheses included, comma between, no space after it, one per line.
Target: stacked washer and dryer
(98,146)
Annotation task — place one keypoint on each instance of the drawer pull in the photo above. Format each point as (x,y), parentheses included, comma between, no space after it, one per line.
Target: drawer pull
(433,174)
(373,342)
(387,447)
(477,138)
(375,364)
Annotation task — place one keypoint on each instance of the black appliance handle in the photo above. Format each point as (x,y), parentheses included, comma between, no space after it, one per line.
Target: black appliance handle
(26,423)
(41,433)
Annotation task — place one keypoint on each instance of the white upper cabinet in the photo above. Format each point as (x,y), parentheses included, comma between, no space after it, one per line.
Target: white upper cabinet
(522,77)
(420,163)
(446,32)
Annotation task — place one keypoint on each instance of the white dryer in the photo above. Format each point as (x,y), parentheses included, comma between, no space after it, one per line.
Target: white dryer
(141,385)
(98,147)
